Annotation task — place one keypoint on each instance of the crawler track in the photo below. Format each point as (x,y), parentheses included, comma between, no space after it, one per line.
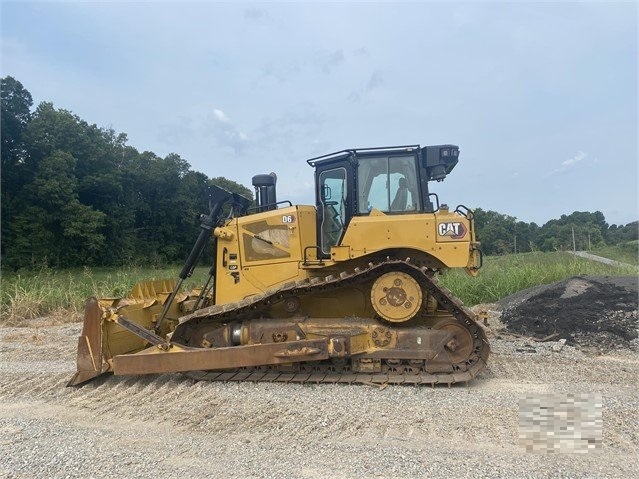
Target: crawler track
(339,371)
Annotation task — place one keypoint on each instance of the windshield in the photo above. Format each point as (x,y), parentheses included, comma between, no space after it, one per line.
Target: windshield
(387,183)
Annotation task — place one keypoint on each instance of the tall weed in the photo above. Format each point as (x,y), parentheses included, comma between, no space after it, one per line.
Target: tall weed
(505,275)
(624,252)
(60,294)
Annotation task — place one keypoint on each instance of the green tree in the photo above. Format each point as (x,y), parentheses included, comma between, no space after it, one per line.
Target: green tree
(585,227)
(503,234)
(15,113)
(15,116)
(101,171)
(53,226)
(232,186)
(78,194)
(622,233)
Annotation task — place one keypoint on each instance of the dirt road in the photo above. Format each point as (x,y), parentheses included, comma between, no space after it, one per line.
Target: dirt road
(171,426)
(600,259)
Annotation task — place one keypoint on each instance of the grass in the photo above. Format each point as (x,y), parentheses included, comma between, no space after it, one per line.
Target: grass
(505,275)
(60,295)
(624,252)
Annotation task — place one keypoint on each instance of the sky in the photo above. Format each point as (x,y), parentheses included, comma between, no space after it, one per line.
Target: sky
(540,97)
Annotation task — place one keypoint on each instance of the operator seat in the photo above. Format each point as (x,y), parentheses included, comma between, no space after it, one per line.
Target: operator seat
(401,197)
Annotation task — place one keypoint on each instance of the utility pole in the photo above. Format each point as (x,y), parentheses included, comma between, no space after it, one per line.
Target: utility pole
(573,240)
(515,244)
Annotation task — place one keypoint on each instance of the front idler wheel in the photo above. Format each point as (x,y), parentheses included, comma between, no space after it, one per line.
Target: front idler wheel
(460,345)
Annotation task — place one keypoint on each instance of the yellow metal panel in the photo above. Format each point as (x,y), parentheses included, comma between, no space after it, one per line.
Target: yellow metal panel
(374,233)
(265,276)
(452,227)
(340,253)
(269,248)
(308,231)
(280,228)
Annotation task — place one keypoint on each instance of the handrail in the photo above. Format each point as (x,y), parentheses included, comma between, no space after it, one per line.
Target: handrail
(266,206)
(436,202)
(319,259)
(467,214)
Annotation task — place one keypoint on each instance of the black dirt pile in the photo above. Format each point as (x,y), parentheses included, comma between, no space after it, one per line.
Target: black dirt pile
(589,312)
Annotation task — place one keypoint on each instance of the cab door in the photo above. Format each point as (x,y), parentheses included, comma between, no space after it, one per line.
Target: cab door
(334,194)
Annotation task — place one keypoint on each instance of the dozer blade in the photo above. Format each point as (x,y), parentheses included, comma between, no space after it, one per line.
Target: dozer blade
(119,326)
(90,361)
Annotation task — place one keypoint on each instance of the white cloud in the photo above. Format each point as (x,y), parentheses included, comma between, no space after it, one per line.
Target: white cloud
(570,162)
(221,116)
(226,133)
(574,160)
(116,63)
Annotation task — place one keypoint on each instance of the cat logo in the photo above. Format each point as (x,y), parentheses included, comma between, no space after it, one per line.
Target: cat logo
(455,230)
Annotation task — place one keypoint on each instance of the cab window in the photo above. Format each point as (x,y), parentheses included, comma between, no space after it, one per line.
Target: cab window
(388,184)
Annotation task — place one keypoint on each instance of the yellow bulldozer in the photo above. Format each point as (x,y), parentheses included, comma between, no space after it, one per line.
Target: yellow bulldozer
(342,291)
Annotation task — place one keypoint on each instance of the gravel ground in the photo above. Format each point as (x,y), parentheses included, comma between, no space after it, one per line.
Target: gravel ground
(170,426)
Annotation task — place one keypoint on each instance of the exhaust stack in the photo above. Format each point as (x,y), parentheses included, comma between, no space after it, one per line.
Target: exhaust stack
(265,196)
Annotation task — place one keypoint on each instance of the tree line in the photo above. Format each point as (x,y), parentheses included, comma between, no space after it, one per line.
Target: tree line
(75,194)
(581,230)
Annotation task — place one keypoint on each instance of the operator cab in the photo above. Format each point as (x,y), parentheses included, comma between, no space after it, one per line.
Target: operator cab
(391,180)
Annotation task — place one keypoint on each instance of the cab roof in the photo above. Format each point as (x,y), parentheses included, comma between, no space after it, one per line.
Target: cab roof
(340,155)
